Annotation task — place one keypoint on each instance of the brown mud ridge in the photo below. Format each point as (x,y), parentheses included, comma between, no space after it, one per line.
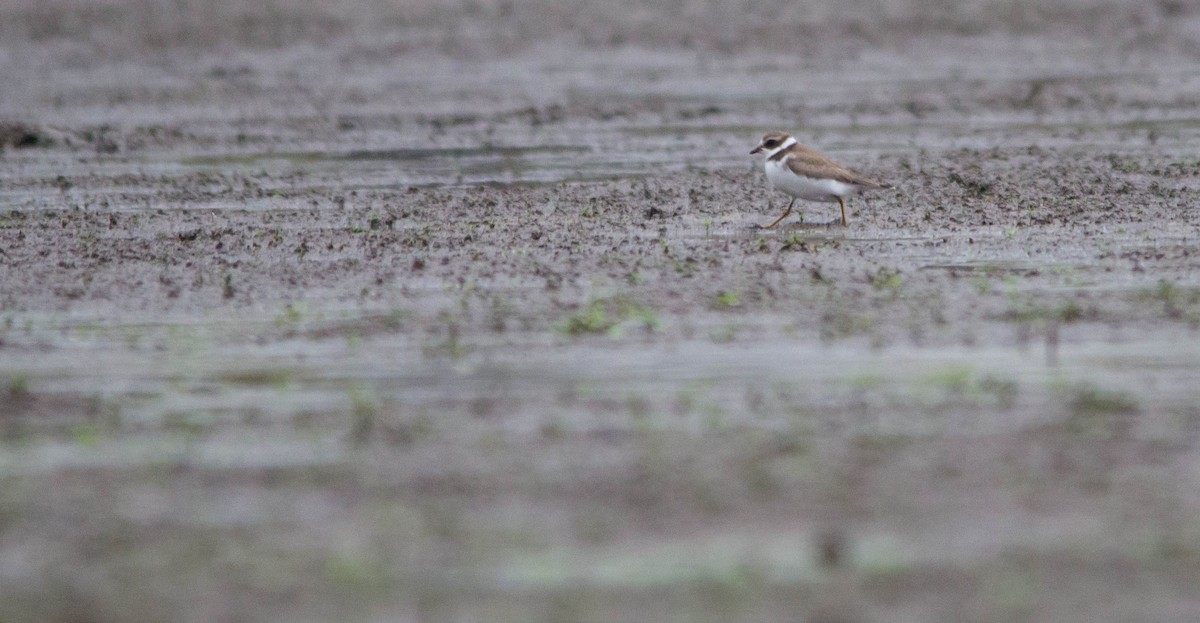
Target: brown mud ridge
(457,313)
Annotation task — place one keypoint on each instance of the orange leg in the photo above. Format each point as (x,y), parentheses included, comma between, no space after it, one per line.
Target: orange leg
(843,204)
(776,221)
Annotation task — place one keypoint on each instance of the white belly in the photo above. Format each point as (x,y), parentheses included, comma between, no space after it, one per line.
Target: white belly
(806,188)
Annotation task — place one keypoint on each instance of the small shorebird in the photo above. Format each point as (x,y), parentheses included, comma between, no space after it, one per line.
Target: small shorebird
(804,173)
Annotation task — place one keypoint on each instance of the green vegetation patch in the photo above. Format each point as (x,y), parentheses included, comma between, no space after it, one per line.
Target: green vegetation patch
(1099,412)
(609,316)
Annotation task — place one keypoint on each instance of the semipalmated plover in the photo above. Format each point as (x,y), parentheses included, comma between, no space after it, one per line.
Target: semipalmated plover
(804,173)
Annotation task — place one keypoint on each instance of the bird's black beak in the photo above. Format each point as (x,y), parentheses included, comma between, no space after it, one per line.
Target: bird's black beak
(756,150)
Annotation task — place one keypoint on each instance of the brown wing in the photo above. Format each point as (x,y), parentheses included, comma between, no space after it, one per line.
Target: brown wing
(811,163)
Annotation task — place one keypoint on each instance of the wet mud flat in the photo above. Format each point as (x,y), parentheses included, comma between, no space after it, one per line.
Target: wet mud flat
(302,321)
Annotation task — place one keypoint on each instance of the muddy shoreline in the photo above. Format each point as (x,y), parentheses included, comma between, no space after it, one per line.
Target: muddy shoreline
(440,312)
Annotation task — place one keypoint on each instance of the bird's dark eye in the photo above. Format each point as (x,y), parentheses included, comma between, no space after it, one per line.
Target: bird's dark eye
(771,142)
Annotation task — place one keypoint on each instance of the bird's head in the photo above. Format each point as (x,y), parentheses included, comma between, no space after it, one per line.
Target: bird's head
(770,142)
